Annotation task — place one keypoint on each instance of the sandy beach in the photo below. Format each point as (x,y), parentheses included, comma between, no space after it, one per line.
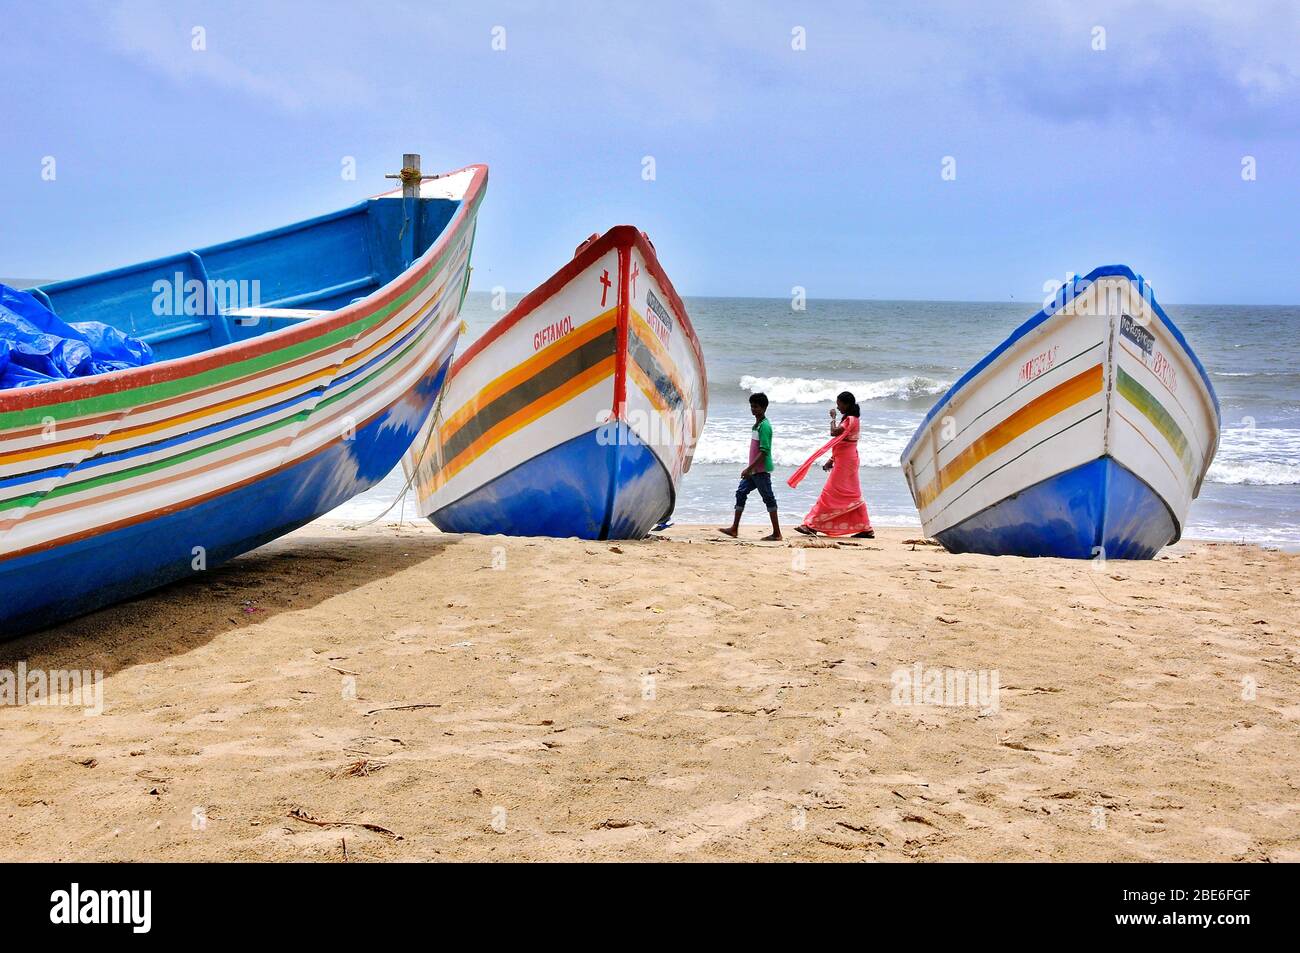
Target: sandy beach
(394,693)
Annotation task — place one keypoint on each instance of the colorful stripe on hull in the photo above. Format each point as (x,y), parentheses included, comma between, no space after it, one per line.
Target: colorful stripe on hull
(1150,408)
(1047,405)
(526,393)
(150,553)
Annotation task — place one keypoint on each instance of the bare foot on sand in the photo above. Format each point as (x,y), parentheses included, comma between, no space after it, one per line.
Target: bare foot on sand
(727,531)
(772,538)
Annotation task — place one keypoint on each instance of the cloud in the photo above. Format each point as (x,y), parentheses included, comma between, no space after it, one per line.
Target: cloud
(1230,69)
(1222,69)
(285,55)
(1213,67)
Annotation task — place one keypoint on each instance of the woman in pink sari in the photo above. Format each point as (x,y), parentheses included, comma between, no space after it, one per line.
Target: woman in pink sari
(840,510)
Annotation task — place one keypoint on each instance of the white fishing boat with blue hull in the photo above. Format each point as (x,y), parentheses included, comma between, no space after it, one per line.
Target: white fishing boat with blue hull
(577,413)
(1086,433)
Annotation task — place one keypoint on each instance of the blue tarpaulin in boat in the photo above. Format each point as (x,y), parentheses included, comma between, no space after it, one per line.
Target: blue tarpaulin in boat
(36,347)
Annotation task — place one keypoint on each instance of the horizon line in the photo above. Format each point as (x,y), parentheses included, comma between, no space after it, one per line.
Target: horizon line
(1174,304)
(24,283)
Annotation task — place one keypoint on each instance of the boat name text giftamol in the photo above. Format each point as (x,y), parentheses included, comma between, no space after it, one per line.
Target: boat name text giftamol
(553,332)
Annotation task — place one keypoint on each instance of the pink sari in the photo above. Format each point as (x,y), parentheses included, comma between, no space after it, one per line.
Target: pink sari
(840,510)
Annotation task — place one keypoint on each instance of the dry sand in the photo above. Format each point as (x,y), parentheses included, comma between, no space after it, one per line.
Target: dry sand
(393,690)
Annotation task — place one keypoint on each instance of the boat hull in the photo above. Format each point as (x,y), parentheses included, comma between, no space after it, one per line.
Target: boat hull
(113,486)
(564,491)
(577,413)
(1097,507)
(1086,433)
(155,552)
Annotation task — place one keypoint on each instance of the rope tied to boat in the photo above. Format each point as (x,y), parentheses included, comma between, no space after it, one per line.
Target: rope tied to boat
(435,421)
(411,178)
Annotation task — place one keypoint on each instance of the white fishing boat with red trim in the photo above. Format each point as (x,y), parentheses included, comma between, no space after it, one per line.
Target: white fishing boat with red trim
(577,413)
(1087,433)
(252,419)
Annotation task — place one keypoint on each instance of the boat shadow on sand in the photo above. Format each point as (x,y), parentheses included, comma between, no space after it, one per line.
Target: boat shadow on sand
(289,575)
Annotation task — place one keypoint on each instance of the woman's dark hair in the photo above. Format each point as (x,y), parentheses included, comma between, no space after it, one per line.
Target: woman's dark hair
(760,399)
(854,409)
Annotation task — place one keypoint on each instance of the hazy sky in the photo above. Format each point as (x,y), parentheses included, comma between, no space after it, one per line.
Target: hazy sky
(774,166)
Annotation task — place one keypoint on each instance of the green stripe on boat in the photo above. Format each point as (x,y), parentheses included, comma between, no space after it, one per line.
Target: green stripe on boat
(1154,411)
(64,489)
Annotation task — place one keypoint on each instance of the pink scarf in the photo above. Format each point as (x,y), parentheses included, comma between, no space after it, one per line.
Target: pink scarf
(797,477)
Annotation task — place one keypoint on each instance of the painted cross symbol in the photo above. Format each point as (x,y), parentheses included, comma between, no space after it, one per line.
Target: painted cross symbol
(604,280)
(635,271)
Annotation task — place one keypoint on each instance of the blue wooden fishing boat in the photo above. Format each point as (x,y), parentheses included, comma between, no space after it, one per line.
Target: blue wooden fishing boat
(291,370)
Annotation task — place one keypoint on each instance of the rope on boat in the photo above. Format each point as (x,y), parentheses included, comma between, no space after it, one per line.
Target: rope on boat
(410,176)
(434,421)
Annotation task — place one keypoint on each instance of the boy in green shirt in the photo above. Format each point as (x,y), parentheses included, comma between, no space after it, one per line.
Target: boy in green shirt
(758,475)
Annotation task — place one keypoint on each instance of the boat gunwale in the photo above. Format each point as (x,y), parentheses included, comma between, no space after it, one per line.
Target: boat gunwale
(1076,289)
(619,236)
(82,388)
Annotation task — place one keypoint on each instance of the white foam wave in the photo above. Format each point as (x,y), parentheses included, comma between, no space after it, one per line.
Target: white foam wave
(804,390)
(1257,473)
(1257,456)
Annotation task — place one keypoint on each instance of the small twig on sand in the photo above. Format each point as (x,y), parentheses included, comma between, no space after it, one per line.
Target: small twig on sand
(360,769)
(404,707)
(298,814)
(1102,594)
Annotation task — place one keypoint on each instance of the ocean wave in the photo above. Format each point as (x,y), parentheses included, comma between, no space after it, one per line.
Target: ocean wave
(1284,536)
(1257,456)
(1254,473)
(1277,443)
(1286,373)
(804,390)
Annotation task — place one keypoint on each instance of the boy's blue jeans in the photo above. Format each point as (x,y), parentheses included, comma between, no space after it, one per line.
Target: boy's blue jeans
(761,482)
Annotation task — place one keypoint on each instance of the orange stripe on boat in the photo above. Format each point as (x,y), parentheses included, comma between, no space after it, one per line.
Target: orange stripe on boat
(212,494)
(1043,407)
(521,372)
(522,418)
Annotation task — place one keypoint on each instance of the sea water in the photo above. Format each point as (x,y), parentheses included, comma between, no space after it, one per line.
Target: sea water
(899,357)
